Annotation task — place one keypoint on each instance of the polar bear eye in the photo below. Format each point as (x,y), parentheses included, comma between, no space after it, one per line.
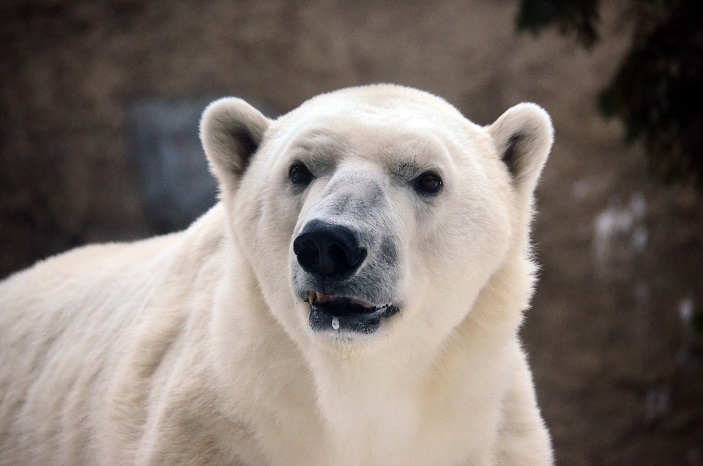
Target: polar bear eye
(428,183)
(299,174)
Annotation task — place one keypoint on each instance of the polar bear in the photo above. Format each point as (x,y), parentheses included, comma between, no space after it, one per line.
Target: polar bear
(353,299)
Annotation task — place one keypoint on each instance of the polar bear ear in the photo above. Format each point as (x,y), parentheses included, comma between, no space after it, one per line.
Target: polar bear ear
(231,131)
(523,138)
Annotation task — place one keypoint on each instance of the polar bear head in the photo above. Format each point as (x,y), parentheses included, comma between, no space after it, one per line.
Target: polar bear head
(376,213)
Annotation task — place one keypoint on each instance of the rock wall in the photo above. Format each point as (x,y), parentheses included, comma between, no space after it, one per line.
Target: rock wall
(617,362)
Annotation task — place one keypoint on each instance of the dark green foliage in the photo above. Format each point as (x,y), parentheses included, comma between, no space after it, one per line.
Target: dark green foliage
(657,91)
(697,323)
(577,17)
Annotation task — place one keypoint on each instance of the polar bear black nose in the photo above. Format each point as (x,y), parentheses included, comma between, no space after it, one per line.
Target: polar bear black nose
(328,250)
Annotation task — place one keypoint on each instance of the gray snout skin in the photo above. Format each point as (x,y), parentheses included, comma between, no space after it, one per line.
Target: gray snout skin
(347,257)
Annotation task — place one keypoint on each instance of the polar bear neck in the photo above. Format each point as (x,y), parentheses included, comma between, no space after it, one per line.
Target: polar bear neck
(411,397)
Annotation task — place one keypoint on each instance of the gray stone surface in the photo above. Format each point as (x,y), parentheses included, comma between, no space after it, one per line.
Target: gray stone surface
(164,146)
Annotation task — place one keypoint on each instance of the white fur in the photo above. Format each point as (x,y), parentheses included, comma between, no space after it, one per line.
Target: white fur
(193,348)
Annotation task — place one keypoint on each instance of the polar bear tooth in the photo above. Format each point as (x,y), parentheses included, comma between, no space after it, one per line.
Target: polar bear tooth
(335,323)
(311,297)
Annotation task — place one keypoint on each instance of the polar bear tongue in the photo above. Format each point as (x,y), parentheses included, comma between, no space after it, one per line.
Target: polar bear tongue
(315,297)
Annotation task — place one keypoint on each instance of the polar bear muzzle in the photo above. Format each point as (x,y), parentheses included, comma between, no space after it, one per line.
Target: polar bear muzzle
(328,251)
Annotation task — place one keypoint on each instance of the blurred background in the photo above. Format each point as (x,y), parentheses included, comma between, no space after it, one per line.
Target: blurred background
(99,104)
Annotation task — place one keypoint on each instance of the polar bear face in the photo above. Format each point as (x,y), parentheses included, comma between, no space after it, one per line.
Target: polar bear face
(371,214)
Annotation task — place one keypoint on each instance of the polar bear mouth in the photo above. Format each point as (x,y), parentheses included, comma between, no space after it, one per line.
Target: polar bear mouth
(346,313)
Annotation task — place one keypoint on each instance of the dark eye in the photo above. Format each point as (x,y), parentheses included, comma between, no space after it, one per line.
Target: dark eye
(428,183)
(299,174)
